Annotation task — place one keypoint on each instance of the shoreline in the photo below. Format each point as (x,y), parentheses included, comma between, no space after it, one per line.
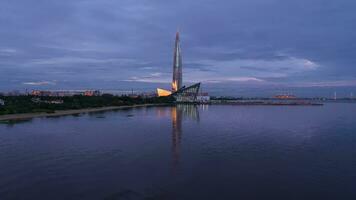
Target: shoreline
(266,104)
(25,116)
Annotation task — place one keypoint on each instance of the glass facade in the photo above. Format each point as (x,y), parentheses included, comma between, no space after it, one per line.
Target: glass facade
(187,94)
(177,66)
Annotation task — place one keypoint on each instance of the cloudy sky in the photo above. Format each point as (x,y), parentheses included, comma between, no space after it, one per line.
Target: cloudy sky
(253,45)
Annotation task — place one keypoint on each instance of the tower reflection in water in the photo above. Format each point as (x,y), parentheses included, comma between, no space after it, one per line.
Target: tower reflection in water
(178,114)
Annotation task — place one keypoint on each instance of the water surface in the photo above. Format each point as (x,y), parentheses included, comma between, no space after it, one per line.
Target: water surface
(183,152)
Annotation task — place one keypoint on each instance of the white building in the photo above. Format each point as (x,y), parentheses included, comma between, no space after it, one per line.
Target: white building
(2,102)
(203,98)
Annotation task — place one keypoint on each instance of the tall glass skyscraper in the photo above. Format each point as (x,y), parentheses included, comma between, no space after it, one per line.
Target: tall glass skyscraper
(177,82)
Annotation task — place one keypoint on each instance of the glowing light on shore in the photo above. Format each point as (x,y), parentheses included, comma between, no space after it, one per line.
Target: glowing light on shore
(163,93)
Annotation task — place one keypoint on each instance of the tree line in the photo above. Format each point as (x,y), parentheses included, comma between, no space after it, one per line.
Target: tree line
(28,103)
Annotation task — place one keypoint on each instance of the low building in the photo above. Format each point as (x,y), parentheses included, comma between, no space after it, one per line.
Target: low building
(56,101)
(90,93)
(41,93)
(187,94)
(2,102)
(203,98)
(285,96)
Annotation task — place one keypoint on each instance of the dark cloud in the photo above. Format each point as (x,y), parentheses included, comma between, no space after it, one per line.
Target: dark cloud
(109,42)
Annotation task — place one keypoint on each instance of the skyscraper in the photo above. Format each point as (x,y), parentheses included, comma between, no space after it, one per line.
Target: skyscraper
(177,66)
(177,82)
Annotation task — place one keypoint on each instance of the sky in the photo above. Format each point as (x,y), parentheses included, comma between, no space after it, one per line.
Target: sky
(234,47)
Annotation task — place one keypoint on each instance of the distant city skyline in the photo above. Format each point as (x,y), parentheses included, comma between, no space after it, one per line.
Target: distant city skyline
(239,48)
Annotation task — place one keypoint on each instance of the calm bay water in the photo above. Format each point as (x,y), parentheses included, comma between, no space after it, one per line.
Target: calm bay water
(183,152)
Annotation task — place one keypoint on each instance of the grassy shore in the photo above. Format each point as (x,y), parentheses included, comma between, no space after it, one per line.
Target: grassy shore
(26,106)
(69,112)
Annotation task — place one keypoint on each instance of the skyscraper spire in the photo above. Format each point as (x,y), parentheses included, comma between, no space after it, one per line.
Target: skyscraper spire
(177,65)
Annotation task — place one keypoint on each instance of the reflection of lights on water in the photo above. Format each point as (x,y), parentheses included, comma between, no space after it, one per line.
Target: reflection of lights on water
(176,117)
(178,113)
(204,107)
(162,112)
